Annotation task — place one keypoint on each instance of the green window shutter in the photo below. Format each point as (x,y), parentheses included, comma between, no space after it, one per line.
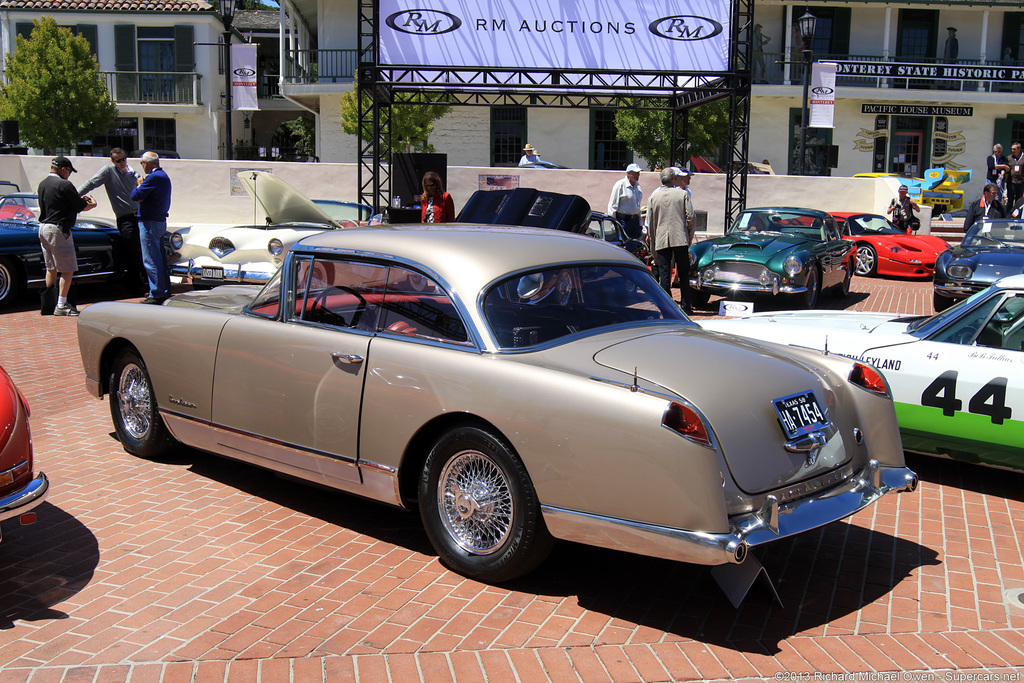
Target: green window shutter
(124,47)
(24,29)
(1001,134)
(184,59)
(90,33)
(1011,34)
(841,30)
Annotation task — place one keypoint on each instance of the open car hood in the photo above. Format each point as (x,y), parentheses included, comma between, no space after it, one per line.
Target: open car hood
(279,202)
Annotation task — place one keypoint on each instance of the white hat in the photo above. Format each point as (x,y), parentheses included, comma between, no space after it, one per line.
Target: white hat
(633,168)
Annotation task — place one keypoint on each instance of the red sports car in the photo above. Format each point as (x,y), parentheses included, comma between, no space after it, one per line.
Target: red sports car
(883,249)
(20,492)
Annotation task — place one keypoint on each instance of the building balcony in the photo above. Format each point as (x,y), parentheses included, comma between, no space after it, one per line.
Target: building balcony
(153,87)
(873,71)
(320,66)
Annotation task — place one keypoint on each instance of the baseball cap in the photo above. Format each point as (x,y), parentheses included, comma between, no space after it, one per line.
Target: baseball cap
(62,162)
(633,168)
(682,172)
(903,188)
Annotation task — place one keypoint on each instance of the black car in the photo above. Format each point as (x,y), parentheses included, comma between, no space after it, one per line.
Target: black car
(605,227)
(98,244)
(993,248)
(539,209)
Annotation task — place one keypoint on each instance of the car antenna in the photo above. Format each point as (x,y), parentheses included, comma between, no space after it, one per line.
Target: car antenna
(826,344)
(635,388)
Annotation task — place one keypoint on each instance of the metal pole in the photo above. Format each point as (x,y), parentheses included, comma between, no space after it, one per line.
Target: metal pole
(805,113)
(229,148)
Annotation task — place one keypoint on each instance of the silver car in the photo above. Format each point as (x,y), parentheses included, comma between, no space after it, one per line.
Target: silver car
(514,385)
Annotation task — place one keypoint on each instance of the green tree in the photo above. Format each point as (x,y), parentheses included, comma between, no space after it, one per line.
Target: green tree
(411,124)
(54,90)
(649,132)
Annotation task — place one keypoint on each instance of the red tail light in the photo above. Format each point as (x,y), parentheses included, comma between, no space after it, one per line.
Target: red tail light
(687,422)
(867,377)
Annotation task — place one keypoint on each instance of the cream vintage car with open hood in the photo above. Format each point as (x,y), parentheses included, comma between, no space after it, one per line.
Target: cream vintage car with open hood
(514,385)
(216,254)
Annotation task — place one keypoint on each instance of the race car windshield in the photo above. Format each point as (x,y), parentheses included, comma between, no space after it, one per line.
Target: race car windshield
(926,326)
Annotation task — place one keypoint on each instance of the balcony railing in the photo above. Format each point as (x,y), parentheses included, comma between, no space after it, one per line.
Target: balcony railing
(320,66)
(772,71)
(153,87)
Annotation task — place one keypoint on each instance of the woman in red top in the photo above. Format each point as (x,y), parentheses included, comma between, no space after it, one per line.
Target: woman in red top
(438,206)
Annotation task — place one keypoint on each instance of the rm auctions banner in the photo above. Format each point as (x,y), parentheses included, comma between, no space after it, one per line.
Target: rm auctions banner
(822,98)
(243,76)
(670,36)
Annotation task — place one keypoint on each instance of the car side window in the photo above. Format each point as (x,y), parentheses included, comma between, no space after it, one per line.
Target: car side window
(416,306)
(830,229)
(964,329)
(1005,329)
(268,302)
(339,293)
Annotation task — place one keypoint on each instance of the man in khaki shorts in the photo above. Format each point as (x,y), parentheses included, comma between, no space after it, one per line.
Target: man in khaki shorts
(59,206)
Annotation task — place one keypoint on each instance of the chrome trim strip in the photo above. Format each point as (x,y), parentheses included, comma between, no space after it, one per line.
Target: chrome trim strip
(773,521)
(232,274)
(957,288)
(169,414)
(368,479)
(25,499)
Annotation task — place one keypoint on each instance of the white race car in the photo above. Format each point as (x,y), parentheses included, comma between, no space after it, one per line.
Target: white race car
(957,377)
(250,254)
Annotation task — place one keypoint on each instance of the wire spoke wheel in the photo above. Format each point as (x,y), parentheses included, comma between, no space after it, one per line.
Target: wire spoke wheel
(476,503)
(479,507)
(133,407)
(133,399)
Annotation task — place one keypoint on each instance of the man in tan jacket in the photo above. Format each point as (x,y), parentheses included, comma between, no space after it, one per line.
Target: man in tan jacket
(670,221)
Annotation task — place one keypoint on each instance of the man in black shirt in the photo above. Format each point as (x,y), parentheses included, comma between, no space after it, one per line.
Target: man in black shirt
(59,205)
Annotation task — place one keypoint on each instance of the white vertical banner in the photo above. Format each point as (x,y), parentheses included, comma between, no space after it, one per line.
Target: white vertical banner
(243,76)
(822,99)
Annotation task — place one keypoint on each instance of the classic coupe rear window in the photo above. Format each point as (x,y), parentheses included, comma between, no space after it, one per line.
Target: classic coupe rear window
(545,305)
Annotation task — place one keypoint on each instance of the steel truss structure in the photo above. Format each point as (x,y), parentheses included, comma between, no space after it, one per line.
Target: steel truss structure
(383,86)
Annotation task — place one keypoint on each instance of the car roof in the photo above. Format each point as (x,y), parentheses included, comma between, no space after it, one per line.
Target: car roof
(469,256)
(1011,282)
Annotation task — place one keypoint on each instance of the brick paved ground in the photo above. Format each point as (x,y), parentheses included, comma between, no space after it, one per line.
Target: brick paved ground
(195,568)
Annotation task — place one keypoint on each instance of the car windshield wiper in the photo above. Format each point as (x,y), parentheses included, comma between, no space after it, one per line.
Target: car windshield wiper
(991,240)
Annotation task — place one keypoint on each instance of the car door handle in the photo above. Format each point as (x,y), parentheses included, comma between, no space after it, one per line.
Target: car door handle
(349,358)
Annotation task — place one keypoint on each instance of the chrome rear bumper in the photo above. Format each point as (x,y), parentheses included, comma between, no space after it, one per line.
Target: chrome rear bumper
(772,522)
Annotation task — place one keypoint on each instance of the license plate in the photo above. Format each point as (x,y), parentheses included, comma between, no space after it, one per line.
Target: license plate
(212,273)
(800,414)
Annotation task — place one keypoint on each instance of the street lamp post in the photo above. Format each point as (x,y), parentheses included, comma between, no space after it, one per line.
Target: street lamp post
(227,13)
(806,25)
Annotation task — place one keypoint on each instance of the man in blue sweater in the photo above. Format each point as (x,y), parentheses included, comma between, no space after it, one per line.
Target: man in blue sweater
(153,194)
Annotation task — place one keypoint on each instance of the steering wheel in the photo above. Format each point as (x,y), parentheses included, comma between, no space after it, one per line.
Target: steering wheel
(967,333)
(328,316)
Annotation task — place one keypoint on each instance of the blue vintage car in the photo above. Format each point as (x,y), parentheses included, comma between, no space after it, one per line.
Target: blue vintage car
(992,248)
(772,251)
(97,242)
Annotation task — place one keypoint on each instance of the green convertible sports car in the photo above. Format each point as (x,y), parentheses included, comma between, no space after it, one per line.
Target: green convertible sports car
(797,252)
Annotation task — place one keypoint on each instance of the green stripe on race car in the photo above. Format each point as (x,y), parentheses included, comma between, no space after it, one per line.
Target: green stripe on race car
(961,425)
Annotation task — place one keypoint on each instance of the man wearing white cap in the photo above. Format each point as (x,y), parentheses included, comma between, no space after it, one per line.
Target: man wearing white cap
(626,200)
